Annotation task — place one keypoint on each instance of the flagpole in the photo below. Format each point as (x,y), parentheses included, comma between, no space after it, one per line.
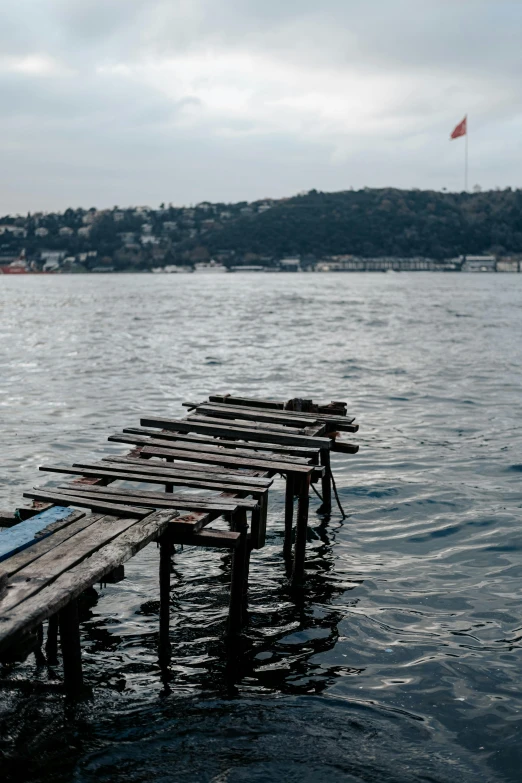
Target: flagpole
(466,159)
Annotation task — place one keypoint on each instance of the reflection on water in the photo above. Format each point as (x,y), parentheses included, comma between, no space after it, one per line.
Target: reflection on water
(401,659)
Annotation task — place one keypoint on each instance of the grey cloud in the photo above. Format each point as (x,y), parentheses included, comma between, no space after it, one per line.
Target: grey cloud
(64,133)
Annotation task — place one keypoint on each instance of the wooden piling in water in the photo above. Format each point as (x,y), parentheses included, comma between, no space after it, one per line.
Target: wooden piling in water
(71,649)
(289,515)
(303,501)
(326,483)
(51,644)
(239,574)
(164,648)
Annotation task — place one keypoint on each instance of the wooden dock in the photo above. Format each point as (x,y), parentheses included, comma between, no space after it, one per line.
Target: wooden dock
(228,448)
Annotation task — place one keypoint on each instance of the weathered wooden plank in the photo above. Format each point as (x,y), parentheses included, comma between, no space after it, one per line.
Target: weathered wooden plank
(71,583)
(222,459)
(18,561)
(204,473)
(124,473)
(105,508)
(321,420)
(214,448)
(41,572)
(232,430)
(297,451)
(344,448)
(24,534)
(222,539)
(187,501)
(308,417)
(245,402)
(209,472)
(259,426)
(8,518)
(263,416)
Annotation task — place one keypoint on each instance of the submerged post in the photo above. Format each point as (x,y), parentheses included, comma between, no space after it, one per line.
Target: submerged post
(301,531)
(289,514)
(51,644)
(164,651)
(71,649)
(326,483)
(238,585)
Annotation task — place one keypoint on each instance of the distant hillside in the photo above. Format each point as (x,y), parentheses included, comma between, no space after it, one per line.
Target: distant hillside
(385,222)
(365,223)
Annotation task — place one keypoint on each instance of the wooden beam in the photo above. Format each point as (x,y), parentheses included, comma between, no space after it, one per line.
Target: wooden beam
(333,417)
(295,419)
(213,447)
(206,427)
(157,478)
(221,459)
(261,416)
(209,537)
(105,508)
(297,451)
(186,502)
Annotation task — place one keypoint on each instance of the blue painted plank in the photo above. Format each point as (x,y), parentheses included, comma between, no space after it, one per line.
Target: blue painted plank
(14,539)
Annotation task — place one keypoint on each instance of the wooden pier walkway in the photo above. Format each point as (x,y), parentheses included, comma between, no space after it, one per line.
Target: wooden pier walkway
(227,448)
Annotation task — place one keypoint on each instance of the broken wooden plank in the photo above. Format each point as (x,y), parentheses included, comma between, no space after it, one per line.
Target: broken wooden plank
(232,430)
(71,583)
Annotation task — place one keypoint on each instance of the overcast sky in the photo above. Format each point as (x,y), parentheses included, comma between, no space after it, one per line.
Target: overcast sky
(106,102)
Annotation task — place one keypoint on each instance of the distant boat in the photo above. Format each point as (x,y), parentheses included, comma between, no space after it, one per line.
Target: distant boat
(210,266)
(171,269)
(19,267)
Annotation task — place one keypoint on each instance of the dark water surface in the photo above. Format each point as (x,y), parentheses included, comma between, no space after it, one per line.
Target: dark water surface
(402,660)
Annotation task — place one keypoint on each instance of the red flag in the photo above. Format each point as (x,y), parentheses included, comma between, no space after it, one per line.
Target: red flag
(461,129)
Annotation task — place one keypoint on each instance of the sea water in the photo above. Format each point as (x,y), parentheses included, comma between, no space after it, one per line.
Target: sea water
(401,660)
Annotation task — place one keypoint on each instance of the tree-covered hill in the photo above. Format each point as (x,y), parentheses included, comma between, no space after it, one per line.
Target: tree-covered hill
(384,222)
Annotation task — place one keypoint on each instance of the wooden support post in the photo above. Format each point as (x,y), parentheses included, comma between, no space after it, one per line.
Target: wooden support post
(301,531)
(239,572)
(71,649)
(164,651)
(248,552)
(258,522)
(169,487)
(326,483)
(51,644)
(289,514)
